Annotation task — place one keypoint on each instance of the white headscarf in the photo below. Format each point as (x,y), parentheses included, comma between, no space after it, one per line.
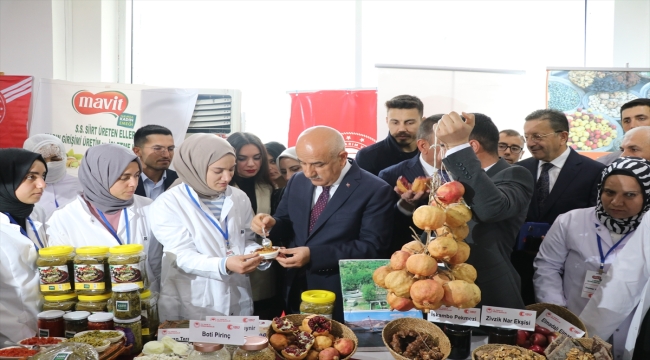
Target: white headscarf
(47,146)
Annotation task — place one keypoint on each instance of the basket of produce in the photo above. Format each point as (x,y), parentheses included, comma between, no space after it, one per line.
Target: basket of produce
(560,311)
(565,347)
(504,352)
(408,338)
(297,337)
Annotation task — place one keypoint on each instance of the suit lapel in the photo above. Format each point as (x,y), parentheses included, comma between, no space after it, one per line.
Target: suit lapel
(532,165)
(568,172)
(303,204)
(414,169)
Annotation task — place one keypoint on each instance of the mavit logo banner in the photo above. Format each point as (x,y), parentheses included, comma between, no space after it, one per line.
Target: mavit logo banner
(106,102)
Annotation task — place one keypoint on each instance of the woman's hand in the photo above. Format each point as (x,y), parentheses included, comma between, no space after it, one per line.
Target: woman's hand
(243,264)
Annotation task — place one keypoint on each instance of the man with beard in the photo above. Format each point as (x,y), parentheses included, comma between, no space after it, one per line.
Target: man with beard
(404,113)
(154,145)
(564,181)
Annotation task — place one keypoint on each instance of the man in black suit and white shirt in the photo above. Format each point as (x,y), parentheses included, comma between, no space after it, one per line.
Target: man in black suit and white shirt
(498,194)
(564,181)
(154,145)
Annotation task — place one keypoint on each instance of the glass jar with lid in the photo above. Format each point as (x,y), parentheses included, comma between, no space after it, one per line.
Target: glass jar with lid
(126,301)
(94,303)
(74,322)
(66,302)
(502,336)
(55,270)
(91,271)
(318,302)
(150,320)
(132,329)
(205,351)
(101,321)
(127,265)
(255,348)
(50,323)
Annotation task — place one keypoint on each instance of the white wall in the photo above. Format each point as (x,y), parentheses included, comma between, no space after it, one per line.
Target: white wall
(632,33)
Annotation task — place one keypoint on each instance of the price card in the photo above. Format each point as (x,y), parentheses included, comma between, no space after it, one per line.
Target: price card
(453,315)
(551,321)
(227,333)
(508,318)
(251,323)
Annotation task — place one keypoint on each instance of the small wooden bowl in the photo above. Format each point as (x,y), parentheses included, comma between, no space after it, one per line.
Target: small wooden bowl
(418,325)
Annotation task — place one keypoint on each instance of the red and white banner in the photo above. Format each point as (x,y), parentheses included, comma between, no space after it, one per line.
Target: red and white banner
(352,112)
(15,97)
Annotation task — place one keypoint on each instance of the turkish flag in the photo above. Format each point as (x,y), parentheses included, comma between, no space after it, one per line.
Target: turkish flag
(15,97)
(352,112)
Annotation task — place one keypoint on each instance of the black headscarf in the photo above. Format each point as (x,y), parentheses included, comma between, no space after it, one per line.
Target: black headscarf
(14,166)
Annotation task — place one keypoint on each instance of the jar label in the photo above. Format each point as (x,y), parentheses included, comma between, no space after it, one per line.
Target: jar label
(126,274)
(122,305)
(69,334)
(54,278)
(89,277)
(63,355)
(145,331)
(44,332)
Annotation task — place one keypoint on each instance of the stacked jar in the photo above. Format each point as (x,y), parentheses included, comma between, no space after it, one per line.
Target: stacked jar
(55,270)
(101,321)
(94,303)
(127,310)
(50,323)
(75,322)
(66,302)
(127,265)
(150,320)
(91,270)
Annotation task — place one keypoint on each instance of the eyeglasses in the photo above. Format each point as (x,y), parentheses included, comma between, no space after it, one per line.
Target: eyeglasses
(515,149)
(539,137)
(161,149)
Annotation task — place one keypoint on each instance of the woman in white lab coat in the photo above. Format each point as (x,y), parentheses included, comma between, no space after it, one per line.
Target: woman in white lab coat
(107,212)
(22,180)
(584,242)
(62,188)
(204,225)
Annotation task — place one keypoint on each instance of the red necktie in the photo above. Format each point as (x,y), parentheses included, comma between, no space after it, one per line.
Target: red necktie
(319,207)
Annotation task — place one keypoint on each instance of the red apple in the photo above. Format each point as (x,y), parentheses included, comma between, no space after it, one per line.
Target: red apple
(450,192)
(522,338)
(542,330)
(539,339)
(536,348)
(551,337)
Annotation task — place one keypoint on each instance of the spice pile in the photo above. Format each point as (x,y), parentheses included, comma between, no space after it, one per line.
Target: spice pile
(17,352)
(37,340)
(416,346)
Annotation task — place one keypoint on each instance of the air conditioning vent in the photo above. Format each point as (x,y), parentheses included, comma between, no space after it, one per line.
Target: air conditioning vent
(216,112)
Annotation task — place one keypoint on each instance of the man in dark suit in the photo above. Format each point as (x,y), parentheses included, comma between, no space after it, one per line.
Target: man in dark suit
(427,164)
(498,195)
(154,145)
(404,113)
(564,181)
(331,211)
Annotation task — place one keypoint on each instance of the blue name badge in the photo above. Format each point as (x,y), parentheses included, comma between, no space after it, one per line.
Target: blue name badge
(530,235)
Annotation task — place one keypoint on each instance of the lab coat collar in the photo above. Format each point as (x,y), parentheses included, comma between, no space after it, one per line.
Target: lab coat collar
(120,227)
(227,203)
(4,220)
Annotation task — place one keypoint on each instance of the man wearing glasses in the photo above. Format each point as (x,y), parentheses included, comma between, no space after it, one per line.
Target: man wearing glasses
(564,181)
(511,146)
(154,145)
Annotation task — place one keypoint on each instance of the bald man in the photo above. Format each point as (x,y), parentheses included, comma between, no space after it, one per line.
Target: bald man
(637,143)
(331,211)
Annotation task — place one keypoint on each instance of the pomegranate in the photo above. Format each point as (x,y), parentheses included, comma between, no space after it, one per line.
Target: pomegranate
(441,279)
(443,248)
(402,185)
(464,272)
(398,303)
(279,341)
(329,354)
(457,214)
(398,260)
(428,217)
(460,232)
(380,275)
(421,183)
(458,293)
(476,298)
(427,292)
(345,346)
(317,325)
(312,355)
(414,247)
(450,192)
(461,255)
(399,282)
(322,342)
(421,265)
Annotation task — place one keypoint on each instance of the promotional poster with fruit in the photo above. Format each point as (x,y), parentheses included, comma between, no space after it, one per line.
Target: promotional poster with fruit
(87,114)
(592,101)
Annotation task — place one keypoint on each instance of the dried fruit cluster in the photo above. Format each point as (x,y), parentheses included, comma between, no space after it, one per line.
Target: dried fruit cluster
(312,340)
(415,346)
(414,278)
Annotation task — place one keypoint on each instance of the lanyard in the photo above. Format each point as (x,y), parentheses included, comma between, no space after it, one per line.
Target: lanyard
(600,249)
(56,203)
(22,231)
(225,234)
(112,231)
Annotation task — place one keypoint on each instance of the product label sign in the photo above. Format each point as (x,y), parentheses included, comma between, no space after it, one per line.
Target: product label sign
(227,333)
(89,276)
(182,335)
(62,355)
(127,274)
(508,318)
(54,278)
(551,321)
(453,315)
(251,323)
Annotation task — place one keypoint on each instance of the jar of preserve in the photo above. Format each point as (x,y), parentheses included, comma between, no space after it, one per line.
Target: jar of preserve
(55,270)
(91,271)
(127,265)
(205,351)
(74,322)
(502,336)
(460,338)
(101,321)
(66,302)
(126,301)
(94,303)
(318,302)
(132,329)
(255,348)
(150,320)
(50,323)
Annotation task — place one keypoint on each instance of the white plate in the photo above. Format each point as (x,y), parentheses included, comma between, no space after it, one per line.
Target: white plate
(271,255)
(113,339)
(11,357)
(105,346)
(47,345)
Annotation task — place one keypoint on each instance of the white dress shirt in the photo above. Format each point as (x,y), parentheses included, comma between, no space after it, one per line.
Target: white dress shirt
(319,189)
(554,172)
(152,189)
